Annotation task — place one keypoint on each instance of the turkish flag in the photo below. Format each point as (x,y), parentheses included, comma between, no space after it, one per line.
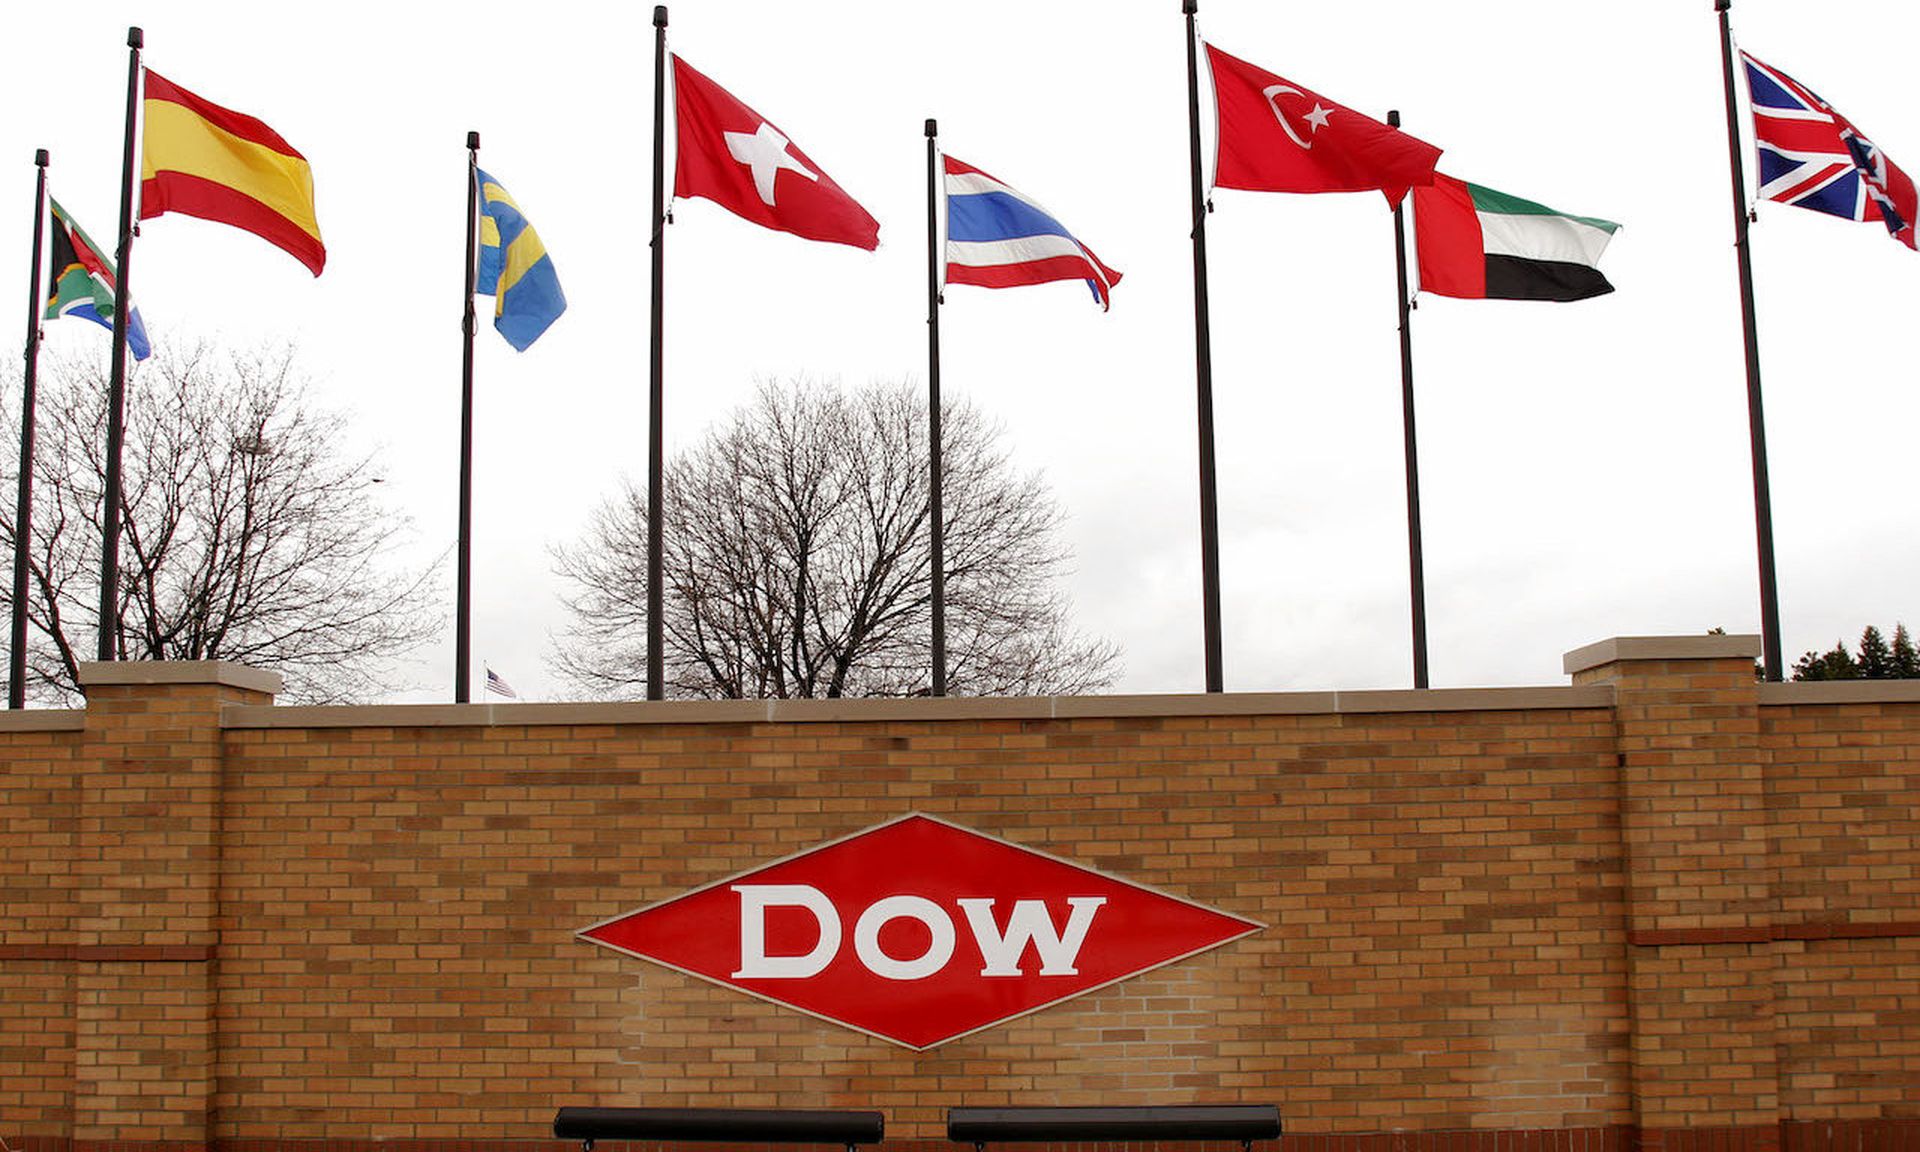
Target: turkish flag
(736,158)
(1276,136)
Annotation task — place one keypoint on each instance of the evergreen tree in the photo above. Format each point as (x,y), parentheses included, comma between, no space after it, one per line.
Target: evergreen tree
(1835,665)
(1906,658)
(1876,659)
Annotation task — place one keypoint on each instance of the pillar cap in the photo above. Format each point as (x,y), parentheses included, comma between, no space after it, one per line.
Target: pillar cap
(222,672)
(1618,648)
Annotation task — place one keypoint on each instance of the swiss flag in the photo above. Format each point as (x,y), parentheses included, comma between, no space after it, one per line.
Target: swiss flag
(1276,136)
(736,158)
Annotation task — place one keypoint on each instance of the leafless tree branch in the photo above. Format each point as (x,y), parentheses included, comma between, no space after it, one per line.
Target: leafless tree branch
(798,561)
(247,535)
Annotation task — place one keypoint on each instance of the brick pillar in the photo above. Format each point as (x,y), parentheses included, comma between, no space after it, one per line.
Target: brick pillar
(1699,904)
(147,868)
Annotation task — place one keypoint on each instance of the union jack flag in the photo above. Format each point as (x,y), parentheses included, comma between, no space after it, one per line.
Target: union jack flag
(1812,157)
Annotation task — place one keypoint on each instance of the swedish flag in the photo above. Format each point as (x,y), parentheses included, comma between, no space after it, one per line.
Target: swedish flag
(515,269)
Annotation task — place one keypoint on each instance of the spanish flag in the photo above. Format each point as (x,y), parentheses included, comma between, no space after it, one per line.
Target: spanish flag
(212,162)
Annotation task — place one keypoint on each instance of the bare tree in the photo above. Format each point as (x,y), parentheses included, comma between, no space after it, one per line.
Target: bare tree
(798,561)
(248,534)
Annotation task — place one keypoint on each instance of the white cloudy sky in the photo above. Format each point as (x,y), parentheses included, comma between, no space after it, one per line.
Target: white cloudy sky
(1584,467)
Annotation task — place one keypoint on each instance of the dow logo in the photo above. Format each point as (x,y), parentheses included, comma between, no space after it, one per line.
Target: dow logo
(919,931)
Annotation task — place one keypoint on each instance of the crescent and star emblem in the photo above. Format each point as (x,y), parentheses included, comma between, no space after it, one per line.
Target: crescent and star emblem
(1317,118)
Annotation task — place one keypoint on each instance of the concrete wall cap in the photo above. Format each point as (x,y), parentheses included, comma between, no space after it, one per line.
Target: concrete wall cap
(949,708)
(224,672)
(1841,692)
(43,720)
(1620,648)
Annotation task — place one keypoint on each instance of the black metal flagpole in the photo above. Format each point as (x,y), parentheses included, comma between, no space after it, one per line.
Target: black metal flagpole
(1416,561)
(1203,370)
(117,372)
(935,515)
(1756,419)
(656,631)
(23,509)
(463,581)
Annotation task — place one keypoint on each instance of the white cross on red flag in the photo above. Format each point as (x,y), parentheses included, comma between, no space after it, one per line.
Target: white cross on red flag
(737,158)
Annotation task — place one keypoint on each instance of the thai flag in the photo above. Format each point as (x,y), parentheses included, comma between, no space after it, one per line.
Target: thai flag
(998,238)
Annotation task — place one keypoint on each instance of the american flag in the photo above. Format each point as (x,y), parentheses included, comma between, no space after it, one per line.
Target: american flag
(500,687)
(1812,157)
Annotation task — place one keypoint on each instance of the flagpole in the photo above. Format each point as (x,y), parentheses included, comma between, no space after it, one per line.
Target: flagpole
(109,644)
(656,632)
(1756,419)
(1416,561)
(23,509)
(463,589)
(1203,371)
(939,524)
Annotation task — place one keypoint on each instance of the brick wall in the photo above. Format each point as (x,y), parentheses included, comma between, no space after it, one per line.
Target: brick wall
(39,819)
(1663,906)
(1843,801)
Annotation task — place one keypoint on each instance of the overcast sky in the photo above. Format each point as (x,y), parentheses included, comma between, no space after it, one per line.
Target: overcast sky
(1584,467)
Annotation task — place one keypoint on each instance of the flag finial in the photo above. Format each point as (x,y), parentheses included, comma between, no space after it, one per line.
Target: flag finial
(933,128)
(473,141)
(1189,7)
(40,157)
(136,38)
(659,15)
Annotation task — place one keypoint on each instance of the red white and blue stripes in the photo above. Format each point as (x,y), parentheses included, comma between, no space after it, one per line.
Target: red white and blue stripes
(1812,157)
(998,238)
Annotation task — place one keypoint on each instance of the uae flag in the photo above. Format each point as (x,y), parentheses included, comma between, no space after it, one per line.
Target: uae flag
(1479,244)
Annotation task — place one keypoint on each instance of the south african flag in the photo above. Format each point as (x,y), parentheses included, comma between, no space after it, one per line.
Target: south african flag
(83,282)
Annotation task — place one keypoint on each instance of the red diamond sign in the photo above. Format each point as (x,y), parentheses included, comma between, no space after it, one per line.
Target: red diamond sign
(919,931)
